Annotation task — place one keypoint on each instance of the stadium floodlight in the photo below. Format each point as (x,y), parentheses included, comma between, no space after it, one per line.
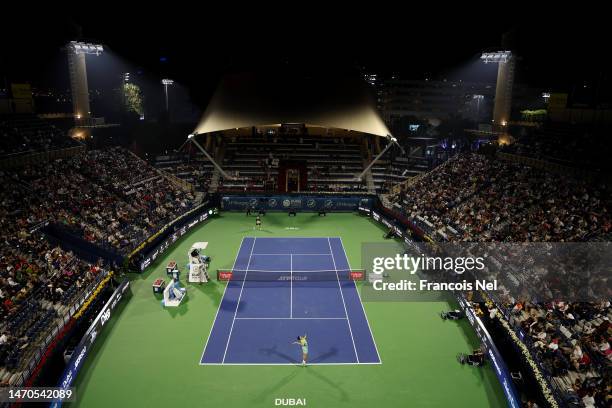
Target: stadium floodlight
(78,47)
(76,52)
(165,82)
(503,89)
(478,99)
(496,57)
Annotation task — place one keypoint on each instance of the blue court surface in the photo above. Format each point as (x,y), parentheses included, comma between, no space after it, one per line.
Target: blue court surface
(258,320)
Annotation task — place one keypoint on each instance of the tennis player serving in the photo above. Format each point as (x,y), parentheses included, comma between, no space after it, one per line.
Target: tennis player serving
(301,341)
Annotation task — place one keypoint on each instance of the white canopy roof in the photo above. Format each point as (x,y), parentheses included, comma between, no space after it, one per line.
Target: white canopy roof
(248,100)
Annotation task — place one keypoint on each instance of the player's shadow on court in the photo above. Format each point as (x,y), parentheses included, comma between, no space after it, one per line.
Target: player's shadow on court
(319,359)
(344,396)
(256,230)
(272,390)
(266,393)
(323,357)
(275,352)
(231,306)
(276,221)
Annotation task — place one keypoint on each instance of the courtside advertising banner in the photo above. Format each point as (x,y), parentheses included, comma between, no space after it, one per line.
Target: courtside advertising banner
(80,352)
(296,203)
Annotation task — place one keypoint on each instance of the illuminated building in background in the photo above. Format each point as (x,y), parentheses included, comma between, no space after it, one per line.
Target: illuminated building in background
(434,99)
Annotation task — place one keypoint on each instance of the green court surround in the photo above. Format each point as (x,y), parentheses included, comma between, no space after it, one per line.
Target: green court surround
(149,357)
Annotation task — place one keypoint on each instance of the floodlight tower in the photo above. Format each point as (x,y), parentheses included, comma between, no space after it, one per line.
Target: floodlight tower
(503,90)
(78,77)
(478,99)
(165,83)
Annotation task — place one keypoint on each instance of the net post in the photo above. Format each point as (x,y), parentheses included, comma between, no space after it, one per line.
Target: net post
(357,274)
(224,275)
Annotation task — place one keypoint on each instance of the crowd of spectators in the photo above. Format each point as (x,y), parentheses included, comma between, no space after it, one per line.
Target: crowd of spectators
(108,197)
(476,198)
(572,341)
(38,280)
(194,173)
(21,134)
(193,168)
(432,197)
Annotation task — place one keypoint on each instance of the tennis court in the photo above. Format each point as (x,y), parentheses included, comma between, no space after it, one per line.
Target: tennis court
(285,287)
(161,349)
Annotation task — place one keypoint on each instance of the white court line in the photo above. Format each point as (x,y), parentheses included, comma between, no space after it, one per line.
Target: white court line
(342,296)
(284,364)
(291,291)
(291,254)
(291,318)
(292,237)
(246,318)
(362,307)
(220,302)
(238,303)
(285,270)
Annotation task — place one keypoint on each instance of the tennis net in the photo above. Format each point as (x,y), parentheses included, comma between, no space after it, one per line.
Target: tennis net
(290,276)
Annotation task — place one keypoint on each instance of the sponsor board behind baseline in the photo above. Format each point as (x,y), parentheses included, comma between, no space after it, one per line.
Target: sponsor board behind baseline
(301,203)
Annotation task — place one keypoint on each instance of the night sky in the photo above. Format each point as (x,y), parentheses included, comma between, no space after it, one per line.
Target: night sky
(197,48)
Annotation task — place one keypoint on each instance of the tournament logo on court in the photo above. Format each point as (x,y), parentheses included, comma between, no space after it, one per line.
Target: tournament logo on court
(328,204)
(286,203)
(311,203)
(272,202)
